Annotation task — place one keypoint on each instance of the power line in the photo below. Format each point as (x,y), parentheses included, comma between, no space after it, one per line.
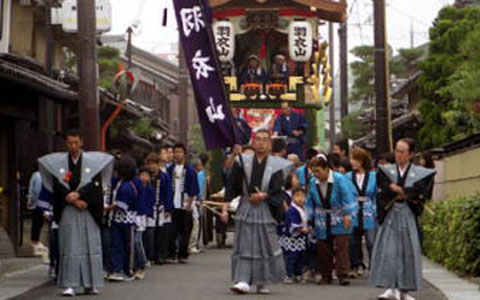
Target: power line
(401,11)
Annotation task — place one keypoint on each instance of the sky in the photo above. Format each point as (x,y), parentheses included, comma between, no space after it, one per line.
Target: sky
(403,18)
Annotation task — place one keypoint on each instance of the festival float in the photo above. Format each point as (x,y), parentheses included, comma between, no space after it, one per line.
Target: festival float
(271,51)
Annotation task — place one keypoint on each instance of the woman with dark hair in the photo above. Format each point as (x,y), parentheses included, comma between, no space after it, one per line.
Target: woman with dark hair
(334,161)
(330,205)
(123,220)
(426,161)
(403,189)
(345,166)
(364,185)
(385,159)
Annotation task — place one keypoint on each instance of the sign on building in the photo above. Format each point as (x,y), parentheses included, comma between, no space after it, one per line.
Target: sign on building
(225,40)
(67,15)
(300,41)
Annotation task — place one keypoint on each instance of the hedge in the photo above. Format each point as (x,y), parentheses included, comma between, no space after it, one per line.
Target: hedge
(452,235)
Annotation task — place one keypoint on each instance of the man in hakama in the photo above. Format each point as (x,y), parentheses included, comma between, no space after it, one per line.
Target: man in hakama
(257,259)
(76,180)
(403,189)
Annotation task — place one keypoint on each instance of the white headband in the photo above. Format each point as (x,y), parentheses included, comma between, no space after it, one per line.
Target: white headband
(322,156)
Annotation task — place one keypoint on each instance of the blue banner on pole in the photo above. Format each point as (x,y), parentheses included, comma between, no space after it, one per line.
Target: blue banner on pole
(194,23)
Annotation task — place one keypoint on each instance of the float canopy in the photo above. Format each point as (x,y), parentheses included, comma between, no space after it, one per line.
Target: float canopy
(324,9)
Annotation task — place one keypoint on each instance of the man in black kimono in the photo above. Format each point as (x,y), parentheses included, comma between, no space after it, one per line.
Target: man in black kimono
(76,180)
(257,258)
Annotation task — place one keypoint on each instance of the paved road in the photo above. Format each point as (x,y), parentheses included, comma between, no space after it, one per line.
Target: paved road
(206,276)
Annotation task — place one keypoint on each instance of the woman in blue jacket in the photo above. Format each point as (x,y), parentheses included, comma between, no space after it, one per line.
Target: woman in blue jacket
(364,186)
(330,205)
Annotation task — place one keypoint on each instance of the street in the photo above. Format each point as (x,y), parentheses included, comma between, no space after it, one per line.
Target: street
(207,275)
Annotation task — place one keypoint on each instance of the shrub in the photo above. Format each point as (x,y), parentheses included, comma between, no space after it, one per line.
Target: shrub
(452,235)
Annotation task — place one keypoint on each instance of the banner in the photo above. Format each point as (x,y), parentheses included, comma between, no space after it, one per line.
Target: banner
(198,43)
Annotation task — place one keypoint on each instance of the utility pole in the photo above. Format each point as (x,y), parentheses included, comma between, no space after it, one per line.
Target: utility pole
(129,58)
(343,34)
(89,112)
(382,74)
(129,46)
(183,95)
(331,58)
(46,106)
(412,35)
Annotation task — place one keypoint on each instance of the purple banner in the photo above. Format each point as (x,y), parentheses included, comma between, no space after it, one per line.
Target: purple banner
(196,36)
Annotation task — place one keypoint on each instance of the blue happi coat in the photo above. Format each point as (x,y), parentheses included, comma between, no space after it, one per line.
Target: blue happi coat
(189,181)
(164,191)
(291,239)
(125,201)
(303,175)
(44,200)
(146,198)
(370,201)
(342,202)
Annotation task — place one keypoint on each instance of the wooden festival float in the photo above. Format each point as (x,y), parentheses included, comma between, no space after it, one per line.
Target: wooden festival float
(262,30)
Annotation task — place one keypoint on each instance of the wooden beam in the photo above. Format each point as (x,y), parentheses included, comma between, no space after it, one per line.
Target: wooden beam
(331,6)
(326,9)
(215,3)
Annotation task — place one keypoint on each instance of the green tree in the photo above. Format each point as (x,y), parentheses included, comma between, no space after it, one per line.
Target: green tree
(352,127)
(195,138)
(363,71)
(108,62)
(450,83)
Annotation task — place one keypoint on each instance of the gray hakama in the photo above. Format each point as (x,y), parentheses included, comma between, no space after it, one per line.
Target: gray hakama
(397,255)
(80,250)
(80,243)
(257,258)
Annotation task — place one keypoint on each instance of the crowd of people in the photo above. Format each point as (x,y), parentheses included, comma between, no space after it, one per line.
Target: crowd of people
(113,217)
(303,216)
(308,221)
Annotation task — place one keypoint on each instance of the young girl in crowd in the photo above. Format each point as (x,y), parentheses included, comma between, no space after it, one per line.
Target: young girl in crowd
(145,209)
(294,239)
(123,221)
(291,184)
(146,192)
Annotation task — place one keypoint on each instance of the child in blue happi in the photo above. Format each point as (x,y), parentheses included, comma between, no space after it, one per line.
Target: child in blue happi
(44,203)
(123,221)
(145,201)
(294,240)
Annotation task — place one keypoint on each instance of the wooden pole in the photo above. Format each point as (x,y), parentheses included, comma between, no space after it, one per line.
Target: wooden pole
(183,96)
(343,68)
(332,73)
(382,74)
(89,111)
(46,106)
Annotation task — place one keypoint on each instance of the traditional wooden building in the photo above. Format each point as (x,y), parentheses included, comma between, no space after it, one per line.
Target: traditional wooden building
(32,105)
(157,89)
